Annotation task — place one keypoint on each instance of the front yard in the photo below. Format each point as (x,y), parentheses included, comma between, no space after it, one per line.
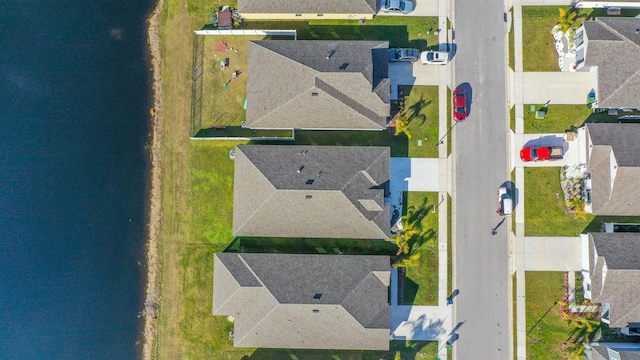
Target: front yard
(546,330)
(545,210)
(538,48)
(558,119)
(421,282)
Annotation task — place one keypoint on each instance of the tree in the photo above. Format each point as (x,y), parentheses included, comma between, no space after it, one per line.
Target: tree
(566,19)
(574,351)
(398,356)
(577,204)
(402,126)
(403,236)
(410,261)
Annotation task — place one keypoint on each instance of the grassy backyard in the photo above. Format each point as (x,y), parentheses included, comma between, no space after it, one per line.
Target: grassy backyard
(197,197)
(546,330)
(421,283)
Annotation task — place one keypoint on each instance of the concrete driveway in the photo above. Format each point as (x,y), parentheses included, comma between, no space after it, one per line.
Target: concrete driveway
(575,152)
(420,8)
(404,73)
(552,253)
(422,323)
(414,174)
(557,87)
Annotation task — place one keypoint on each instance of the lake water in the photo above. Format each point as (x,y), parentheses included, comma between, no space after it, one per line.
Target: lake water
(74,110)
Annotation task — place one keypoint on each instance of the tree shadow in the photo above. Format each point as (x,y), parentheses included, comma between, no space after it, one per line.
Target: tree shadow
(415,215)
(414,110)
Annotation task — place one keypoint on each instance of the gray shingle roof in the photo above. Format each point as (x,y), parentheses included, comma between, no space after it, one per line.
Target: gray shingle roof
(620,288)
(292,85)
(307,6)
(614,47)
(276,308)
(601,352)
(619,142)
(311,191)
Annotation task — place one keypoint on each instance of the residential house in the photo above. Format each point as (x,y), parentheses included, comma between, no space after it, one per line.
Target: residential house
(304,301)
(613,279)
(612,44)
(611,6)
(320,85)
(614,351)
(311,191)
(307,9)
(613,169)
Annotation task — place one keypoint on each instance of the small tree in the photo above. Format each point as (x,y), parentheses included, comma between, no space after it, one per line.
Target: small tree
(566,19)
(402,126)
(398,356)
(403,236)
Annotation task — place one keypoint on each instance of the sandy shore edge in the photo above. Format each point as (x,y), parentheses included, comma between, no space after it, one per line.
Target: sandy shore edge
(150,312)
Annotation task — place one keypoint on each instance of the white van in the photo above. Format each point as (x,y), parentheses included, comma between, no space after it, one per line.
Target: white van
(505,202)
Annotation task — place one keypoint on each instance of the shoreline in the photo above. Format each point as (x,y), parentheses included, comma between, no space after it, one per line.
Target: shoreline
(150,310)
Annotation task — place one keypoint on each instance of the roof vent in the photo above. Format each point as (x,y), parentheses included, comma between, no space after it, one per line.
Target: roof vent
(317,296)
(314,94)
(316,311)
(330,54)
(300,169)
(319,172)
(303,152)
(308,196)
(309,182)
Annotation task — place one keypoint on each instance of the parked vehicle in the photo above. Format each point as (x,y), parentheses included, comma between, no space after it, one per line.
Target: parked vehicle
(459,104)
(535,153)
(505,202)
(396,6)
(403,54)
(434,57)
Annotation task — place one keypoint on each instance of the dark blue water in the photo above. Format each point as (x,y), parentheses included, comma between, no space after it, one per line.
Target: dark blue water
(74,109)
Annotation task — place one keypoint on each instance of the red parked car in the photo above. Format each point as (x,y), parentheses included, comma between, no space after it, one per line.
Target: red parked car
(538,153)
(459,104)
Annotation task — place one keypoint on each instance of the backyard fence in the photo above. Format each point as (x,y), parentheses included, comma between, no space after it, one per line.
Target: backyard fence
(249,32)
(197,84)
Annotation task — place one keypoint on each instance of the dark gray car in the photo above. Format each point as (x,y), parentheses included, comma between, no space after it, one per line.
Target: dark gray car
(408,55)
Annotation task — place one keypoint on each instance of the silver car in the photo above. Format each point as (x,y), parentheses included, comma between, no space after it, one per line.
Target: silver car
(402,54)
(396,6)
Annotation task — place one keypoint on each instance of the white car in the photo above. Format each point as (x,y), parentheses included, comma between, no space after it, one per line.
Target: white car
(396,6)
(505,202)
(434,57)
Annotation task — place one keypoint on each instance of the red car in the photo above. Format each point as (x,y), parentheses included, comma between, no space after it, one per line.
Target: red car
(459,104)
(536,153)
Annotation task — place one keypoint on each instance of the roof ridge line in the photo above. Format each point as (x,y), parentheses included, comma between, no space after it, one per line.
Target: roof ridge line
(352,291)
(332,88)
(261,320)
(256,122)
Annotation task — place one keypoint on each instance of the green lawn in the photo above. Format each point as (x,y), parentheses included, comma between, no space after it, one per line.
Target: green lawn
(400,31)
(422,107)
(421,283)
(559,118)
(538,48)
(512,54)
(545,213)
(546,330)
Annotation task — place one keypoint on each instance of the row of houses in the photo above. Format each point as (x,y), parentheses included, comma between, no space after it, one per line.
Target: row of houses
(284,191)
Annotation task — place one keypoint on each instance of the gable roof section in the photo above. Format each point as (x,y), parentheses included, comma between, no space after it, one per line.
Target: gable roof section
(619,254)
(311,191)
(615,142)
(292,85)
(307,6)
(304,301)
(614,47)
(601,352)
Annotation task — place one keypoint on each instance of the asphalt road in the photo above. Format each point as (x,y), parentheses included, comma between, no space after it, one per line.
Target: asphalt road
(481,259)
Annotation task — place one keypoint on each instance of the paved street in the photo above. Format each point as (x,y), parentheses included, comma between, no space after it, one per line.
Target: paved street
(481,267)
